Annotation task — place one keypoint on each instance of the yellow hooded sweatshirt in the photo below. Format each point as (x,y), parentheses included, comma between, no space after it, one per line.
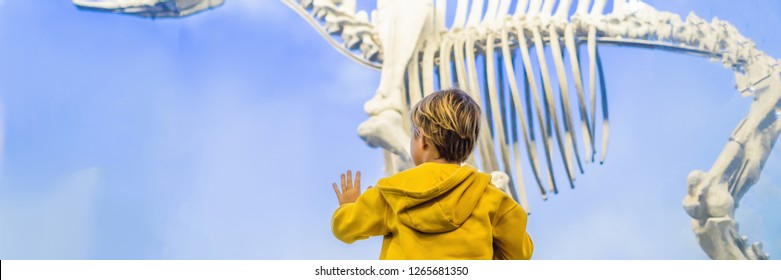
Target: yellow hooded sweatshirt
(437,211)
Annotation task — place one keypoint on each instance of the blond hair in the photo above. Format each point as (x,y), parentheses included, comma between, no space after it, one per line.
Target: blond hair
(450,120)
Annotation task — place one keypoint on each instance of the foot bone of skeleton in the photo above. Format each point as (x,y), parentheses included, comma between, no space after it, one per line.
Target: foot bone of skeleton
(713,196)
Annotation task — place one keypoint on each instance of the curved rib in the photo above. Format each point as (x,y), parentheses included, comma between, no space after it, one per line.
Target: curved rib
(458,53)
(562,10)
(585,123)
(569,132)
(487,155)
(520,9)
(496,112)
(592,85)
(429,48)
(596,10)
(531,147)
(460,19)
(413,80)
(463,83)
(548,90)
(439,16)
(445,76)
(534,8)
(547,9)
(502,13)
(490,13)
(475,13)
(533,84)
(605,120)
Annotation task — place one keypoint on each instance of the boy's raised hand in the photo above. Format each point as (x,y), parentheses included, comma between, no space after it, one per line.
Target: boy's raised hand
(349,192)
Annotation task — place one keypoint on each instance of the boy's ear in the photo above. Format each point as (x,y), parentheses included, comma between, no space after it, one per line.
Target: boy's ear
(423,140)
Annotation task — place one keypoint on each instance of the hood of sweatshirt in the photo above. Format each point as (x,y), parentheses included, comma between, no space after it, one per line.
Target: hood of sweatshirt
(434,197)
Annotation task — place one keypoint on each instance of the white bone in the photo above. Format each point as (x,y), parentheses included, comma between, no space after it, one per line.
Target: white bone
(460,19)
(150,8)
(531,147)
(582,8)
(321,8)
(635,5)
(540,48)
(501,181)
(598,8)
(517,155)
(562,10)
(373,19)
(413,79)
(502,13)
(713,196)
(547,9)
(475,13)
(524,49)
(496,112)
(490,13)
(397,49)
(463,83)
(487,155)
(458,53)
(427,65)
(520,9)
(348,6)
(592,84)
(569,40)
(569,132)
(618,7)
(388,163)
(534,8)
(445,76)
(439,15)
(605,119)
(474,91)
(386,130)
(362,16)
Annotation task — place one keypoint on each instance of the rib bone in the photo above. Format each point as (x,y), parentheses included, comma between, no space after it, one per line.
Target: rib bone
(524,49)
(487,154)
(531,147)
(495,110)
(548,91)
(460,20)
(520,9)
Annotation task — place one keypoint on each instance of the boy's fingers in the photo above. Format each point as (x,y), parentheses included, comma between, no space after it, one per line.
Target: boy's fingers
(336,190)
(344,186)
(358,180)
(349,180)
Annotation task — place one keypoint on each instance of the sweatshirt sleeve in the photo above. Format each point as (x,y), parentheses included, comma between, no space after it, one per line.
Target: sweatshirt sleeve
(511,241)
(359,220)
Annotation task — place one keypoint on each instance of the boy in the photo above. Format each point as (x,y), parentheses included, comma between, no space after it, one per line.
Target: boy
(439,209)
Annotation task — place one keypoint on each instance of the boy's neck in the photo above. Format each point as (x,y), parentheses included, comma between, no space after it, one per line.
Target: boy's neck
(442,161)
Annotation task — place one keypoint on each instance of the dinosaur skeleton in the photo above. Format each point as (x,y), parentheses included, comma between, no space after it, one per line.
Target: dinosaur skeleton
(150,8)
(408,41)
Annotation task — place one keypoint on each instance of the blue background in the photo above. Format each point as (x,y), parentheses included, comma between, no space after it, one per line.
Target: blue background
(218,136)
